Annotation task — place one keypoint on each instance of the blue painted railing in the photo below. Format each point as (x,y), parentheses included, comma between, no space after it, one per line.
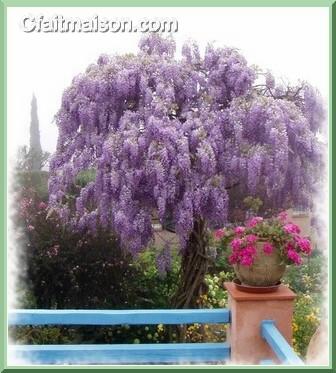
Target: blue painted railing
(120,353)
(138,353)
(278,344)
(118,317)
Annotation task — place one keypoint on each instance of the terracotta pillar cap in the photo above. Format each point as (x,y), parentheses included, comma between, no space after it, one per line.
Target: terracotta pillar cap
(282,293)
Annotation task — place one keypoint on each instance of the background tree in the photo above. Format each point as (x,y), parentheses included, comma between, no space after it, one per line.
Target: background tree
(35,149)
(24,160)
(34,158)
(189,139)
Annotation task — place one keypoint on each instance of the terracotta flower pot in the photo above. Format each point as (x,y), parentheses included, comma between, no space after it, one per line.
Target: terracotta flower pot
(266,270)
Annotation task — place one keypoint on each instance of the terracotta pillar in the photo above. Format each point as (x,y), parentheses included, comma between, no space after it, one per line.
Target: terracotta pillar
(247,312)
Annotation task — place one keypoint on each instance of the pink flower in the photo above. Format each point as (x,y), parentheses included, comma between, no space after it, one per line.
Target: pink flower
(236,243)
(304,245)
(30,228)
(239,230)
(247,255)
(254,221)
(233,258)
(248,250)
(283,216)
(294,256)
(246,260)
(219,234)
(268,248)
(42,205)
(292,228)
(289,246)
(53,251)
(251,239)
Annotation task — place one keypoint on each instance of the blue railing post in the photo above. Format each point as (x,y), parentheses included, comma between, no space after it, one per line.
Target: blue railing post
(278,344)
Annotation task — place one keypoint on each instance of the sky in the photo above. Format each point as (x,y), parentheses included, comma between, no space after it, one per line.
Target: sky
(290,42)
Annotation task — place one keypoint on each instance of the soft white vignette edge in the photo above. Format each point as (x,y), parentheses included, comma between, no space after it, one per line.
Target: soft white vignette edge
(292,42)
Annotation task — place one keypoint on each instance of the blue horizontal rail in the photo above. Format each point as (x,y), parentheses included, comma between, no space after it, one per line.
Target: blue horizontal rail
(123,353)
(267,362)
(117,317)
(278,343)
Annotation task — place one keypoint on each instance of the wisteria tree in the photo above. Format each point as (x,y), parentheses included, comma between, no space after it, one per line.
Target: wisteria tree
(187,138)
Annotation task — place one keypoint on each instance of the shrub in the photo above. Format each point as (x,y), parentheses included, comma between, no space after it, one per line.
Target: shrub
(35,181)
(308,278)
(305,321)
(157,288)
(65,269)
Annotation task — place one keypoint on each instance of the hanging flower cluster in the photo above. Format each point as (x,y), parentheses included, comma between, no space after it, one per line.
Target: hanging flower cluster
(274,234)
(175,136)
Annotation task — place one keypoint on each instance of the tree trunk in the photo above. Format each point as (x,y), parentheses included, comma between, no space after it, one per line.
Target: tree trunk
(194,266)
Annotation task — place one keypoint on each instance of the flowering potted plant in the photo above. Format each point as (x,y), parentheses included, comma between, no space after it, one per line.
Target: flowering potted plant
(262,248)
